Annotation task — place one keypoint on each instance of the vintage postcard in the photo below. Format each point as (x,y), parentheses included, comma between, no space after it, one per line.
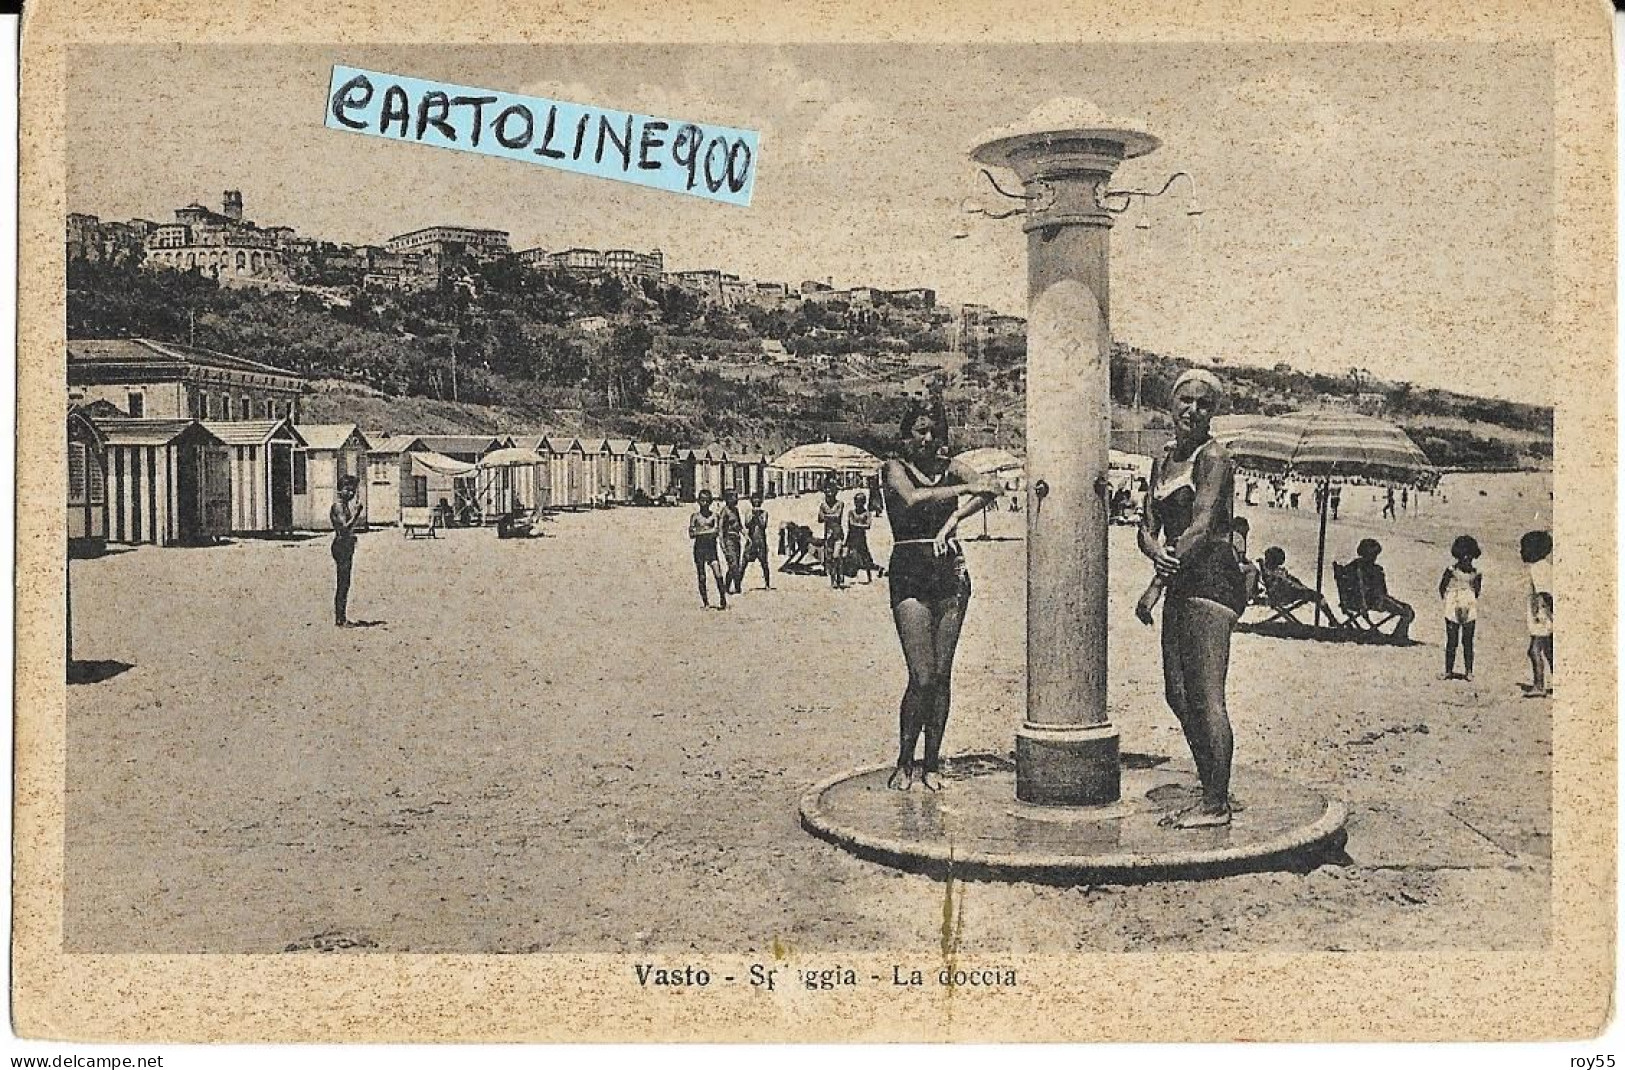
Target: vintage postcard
(753,522)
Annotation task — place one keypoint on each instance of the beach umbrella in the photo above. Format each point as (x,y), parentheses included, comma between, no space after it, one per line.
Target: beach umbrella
(827,457)
(1331,446)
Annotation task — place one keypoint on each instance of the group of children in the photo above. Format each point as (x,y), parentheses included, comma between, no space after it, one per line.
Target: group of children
(1459,590)
(738,538)
(726,541)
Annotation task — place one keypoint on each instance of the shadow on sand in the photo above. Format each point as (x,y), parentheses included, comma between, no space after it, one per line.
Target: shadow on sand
(95,672)
(1277,629)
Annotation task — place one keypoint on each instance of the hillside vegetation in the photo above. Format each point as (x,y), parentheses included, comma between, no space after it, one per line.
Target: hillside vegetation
(507,348)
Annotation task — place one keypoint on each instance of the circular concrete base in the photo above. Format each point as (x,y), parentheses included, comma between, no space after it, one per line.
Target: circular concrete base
(976,828)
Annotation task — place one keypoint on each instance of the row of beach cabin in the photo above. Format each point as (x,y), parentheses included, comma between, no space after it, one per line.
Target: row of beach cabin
(176,481)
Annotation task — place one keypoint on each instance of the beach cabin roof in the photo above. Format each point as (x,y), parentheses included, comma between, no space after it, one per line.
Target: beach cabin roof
(398,444)
(647,449)
(717,453)
(254,432)
(561,444)
(620,447)
(666,450)
(157,433)
(594,445)
(478,445)
(333,436)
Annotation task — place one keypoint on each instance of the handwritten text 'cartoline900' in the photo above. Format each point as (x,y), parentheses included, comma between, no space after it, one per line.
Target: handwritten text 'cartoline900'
(683,157)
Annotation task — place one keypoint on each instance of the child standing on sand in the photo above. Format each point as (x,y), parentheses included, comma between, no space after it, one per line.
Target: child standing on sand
(1536,550)
(1459,589)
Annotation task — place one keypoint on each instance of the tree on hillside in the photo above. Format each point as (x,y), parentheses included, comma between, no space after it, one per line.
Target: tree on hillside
(622,371)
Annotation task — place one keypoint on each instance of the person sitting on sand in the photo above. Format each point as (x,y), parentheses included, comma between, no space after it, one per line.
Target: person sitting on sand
(1284,589)
(1374,588)
(1535,548)
(795,543)
(703,528)
(1459,589)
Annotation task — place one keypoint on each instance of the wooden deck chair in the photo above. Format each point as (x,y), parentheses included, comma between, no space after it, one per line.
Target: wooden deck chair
(1351,598)
(1284,609)
(420,522)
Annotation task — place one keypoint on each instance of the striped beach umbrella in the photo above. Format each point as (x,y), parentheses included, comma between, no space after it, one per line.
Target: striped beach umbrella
(1329,447)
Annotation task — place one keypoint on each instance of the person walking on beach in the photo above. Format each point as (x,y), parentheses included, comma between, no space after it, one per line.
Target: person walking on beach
(703,528)
(832,517)
(1388,506)
(731,538)
(857,538)
(346,517)
(756,538)
(1186,534)
(927,495)
(1535,548)
(1336,499)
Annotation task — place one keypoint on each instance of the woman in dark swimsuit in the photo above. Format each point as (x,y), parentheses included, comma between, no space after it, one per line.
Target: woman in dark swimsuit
(926,496)
(1185,531)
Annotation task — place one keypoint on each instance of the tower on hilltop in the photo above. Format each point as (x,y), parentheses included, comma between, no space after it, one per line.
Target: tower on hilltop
(232,206)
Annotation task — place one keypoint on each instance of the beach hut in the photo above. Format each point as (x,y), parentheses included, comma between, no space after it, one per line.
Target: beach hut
(686,472)
(87,484)
(168,482)
(488,494)
(389,471)
(261,454)
(567,466)
(713,469)
(532,484)
(330,452)
(623,459)
(644,464)
(515,467)
(665,454)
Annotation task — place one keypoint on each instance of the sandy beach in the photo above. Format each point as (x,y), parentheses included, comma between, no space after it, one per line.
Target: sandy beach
(548,745)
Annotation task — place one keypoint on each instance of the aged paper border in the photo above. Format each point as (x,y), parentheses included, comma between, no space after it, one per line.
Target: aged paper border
(1562,992)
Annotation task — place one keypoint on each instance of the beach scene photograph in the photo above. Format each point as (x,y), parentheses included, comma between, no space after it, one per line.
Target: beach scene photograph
(800,500)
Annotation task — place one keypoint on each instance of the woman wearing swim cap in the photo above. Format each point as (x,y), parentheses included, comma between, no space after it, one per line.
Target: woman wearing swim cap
(1185,531)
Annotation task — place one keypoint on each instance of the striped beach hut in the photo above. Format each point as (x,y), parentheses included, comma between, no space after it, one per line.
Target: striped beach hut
(566,470)
(87,484)
(623,459)
(645,468)
(261,453)
(168,482)
(714,467)
(533,484)
(330,452)
(685,472)
(597,472)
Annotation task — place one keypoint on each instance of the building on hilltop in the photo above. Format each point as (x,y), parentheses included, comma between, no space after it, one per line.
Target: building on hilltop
(443,241)
(91,239)
(221,244)
(146,379)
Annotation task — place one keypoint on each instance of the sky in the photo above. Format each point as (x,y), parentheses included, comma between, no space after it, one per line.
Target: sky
(1373,206)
